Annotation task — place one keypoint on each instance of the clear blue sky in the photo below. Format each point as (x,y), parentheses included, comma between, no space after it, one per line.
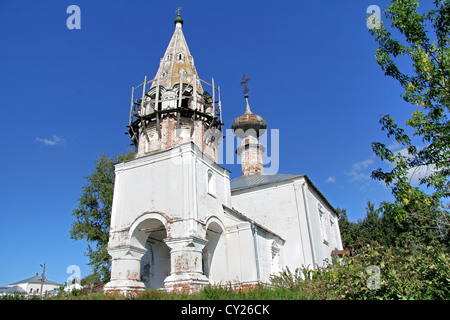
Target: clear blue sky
(65,94)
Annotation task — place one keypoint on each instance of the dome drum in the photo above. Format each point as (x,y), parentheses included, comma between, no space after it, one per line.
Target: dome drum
(160,102)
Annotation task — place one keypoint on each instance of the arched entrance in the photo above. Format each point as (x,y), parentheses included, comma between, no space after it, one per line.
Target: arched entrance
(214,253)
(155,263)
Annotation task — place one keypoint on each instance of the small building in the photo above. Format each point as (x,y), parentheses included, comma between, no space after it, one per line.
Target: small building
(32,286)
(73,286)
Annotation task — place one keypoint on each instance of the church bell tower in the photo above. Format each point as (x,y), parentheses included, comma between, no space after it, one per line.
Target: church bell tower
(174,108)
(164,198)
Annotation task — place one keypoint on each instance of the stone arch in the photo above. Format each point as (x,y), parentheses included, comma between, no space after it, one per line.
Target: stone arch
(214,219)
(145,221)
(215,252)
(148,232)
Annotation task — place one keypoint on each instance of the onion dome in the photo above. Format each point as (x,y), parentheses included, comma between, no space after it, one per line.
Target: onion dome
(248,124)
(178,19)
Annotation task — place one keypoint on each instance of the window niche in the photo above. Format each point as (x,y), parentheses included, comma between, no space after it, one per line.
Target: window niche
(275,258)
(211,183)
(323,217)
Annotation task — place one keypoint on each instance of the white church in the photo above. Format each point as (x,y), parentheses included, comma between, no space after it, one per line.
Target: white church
(178,222)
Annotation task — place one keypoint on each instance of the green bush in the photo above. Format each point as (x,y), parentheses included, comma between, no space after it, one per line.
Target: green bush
(376,272)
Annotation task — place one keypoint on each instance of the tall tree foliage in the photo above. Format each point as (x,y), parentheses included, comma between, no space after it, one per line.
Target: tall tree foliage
(374,227)
(425,41)
(380,226)
(93,214)
(349,230)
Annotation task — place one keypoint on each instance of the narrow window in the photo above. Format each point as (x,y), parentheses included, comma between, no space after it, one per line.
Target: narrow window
(275,260)
(333,231)
(323,224)
(211,183)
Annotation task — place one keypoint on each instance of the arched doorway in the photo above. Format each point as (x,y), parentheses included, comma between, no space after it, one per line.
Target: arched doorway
(155,263)
(214,254)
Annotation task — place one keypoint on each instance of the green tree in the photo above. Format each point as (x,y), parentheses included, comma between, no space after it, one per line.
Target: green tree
(418,220)
(374,227)
(425,41)
(93,214)
(91,280)
(371,228)
(350,234)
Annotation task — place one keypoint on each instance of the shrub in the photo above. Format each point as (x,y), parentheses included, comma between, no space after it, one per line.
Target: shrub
(377,272)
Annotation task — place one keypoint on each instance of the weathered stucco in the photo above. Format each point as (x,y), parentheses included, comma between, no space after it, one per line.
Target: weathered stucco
(175,221)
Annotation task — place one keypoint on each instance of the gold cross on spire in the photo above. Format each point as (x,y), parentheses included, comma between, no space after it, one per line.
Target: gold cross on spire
(178,10)
(244,81)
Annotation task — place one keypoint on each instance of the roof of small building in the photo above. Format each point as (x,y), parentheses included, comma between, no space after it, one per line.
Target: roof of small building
(36,279)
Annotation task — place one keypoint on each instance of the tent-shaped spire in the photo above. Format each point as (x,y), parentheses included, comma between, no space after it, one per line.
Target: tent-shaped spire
(177,60)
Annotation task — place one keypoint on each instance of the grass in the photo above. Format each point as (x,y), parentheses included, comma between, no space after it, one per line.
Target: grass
(262,292)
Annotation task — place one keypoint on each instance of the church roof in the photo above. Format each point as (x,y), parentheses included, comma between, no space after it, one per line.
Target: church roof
(36,279)
(176,60)
(258,179)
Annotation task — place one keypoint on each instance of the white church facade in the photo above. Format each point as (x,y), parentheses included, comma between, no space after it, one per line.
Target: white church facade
(177,220)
